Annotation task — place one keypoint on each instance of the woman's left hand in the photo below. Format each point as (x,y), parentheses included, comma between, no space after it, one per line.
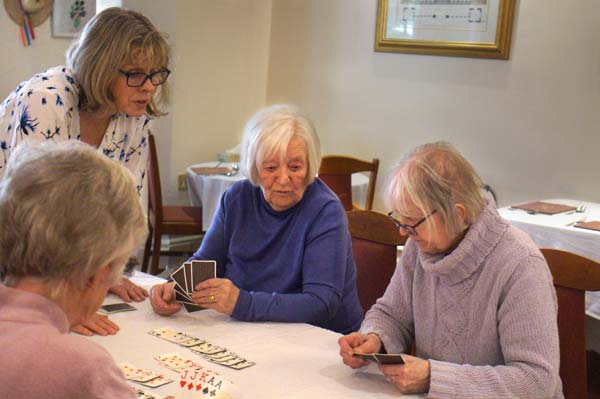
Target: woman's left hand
(127,291)
(411,377)
(219,294)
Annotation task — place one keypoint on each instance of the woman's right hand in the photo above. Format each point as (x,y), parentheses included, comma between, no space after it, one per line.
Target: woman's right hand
(360,343)
(162,297)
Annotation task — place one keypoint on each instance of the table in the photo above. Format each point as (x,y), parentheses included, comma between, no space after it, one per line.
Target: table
(206,190)
(556,231)
(295,361)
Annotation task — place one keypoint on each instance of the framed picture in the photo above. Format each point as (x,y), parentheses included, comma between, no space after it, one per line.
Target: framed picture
(465,28)
(69,16)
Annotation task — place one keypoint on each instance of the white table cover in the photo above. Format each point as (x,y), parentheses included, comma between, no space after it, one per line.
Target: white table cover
(295,361)
(556,231)
(206,190)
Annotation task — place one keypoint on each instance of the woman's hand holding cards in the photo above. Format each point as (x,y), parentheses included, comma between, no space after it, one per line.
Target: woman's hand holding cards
(219,294)
(411,377)
(162,298)
(361,343)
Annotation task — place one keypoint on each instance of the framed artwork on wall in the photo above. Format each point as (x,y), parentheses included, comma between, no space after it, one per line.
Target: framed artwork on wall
(464,28)
(69,16)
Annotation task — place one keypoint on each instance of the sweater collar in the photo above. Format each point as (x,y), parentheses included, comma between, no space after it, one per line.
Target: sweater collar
(26,307)
(481,238)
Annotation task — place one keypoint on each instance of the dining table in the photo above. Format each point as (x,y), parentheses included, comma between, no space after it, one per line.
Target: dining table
(292,360)
(205,189)
(559,231)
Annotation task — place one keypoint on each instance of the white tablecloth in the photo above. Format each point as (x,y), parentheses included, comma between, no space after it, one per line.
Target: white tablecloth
(556,231)
(206,190)
(295,361)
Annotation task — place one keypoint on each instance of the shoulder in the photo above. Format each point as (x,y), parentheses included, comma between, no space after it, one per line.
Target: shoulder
(54,87)
(320,199)
(241,189)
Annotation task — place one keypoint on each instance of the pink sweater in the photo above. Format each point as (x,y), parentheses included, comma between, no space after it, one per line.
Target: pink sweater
(484,315)
(40,359)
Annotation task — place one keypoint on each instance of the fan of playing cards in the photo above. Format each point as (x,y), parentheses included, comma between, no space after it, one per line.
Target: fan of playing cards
(188,276)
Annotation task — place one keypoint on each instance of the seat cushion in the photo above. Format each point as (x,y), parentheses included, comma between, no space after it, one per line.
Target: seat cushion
(182,220)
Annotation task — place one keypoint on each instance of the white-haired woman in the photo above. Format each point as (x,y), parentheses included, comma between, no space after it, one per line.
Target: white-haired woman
(104,96)
(473,293)
(70,218)
(280,238)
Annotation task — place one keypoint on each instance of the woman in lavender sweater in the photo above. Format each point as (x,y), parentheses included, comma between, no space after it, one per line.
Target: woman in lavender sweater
(473,293)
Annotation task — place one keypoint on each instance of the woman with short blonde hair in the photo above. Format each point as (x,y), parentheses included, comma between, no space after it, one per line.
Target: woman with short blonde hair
(471,292)
(70,218)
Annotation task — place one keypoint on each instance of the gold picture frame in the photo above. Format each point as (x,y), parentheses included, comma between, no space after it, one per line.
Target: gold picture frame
(463,28)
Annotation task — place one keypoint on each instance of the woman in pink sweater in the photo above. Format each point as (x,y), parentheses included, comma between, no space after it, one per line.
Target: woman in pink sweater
(70,219)
(473,293)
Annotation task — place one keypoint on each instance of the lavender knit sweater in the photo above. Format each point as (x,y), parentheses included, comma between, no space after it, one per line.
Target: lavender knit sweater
(484,315)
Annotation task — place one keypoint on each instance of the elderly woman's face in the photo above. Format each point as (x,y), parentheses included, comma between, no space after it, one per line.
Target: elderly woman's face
(283,181)
(431,237)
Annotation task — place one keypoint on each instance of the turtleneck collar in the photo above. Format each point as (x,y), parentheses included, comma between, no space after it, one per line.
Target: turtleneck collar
(483,235)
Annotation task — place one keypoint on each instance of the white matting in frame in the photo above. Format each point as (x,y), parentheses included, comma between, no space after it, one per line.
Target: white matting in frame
(70,16)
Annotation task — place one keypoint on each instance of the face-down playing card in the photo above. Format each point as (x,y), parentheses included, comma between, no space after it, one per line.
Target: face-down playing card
(203,270)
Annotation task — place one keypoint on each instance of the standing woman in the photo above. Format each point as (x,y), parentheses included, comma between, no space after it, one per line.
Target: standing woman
(113,83)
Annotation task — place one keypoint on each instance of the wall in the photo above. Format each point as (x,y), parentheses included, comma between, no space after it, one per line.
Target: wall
(222,55)
(529,124)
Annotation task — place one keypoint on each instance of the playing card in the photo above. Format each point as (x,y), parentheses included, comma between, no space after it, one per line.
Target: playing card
(381,358)
(192,308)
(203,270)
(170,335)
(229,362)
(207,348)
(157,382)
(192,342)
(180,296)
(187,268)
(175,361)
(145,376)
(141,394)
(178,276)
(196,384)
(116,308)
(242,365)
(130,370)
(220,355)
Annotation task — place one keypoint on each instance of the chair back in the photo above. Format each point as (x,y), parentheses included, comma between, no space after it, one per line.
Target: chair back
(573,275)
(336,171)
(155,206)
(375,239)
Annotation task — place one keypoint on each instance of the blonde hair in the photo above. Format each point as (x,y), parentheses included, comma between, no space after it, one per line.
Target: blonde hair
(107,42)
(435,177)
(66,210)
(269,132)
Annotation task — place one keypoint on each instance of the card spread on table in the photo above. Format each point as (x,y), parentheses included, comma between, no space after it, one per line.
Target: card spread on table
(381,358)
(145,377)
(117,307)
(204,383)
(211,352)
(141,394)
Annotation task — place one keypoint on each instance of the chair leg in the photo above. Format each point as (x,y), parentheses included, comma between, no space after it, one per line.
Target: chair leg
(156,252)
(147,248)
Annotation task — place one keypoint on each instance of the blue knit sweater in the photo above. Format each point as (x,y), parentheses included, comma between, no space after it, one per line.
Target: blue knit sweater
(291,266)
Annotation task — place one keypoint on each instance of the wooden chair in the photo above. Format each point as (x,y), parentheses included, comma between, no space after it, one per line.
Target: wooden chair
(375,239)
(174,220)
(336,171)
(573,275)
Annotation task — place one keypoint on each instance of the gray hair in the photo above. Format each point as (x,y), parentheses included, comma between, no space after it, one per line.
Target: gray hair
(268,134)
(66,211)
(435,177)
(111,39)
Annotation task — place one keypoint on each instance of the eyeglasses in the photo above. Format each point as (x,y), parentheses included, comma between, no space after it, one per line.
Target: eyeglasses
(410,230)
(137,79)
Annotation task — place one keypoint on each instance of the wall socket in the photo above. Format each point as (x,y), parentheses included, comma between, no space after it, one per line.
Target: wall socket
(182,182)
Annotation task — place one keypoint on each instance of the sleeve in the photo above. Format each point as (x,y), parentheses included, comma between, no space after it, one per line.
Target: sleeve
(324,266)
(136,159)
(391,318)
(528,336)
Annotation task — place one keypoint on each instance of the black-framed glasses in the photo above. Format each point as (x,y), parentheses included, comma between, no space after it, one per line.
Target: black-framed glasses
(137,79)
(411,230)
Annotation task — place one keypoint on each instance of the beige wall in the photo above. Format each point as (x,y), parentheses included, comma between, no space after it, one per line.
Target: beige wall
(529,124)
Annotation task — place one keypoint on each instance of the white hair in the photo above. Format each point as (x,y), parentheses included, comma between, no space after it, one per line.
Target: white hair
(66,211)
(268,134)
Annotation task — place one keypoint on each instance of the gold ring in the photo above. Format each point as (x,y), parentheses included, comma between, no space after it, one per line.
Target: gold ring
(212,299)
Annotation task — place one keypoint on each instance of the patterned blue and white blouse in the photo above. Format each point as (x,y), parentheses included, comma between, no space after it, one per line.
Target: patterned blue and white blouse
(46,107)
